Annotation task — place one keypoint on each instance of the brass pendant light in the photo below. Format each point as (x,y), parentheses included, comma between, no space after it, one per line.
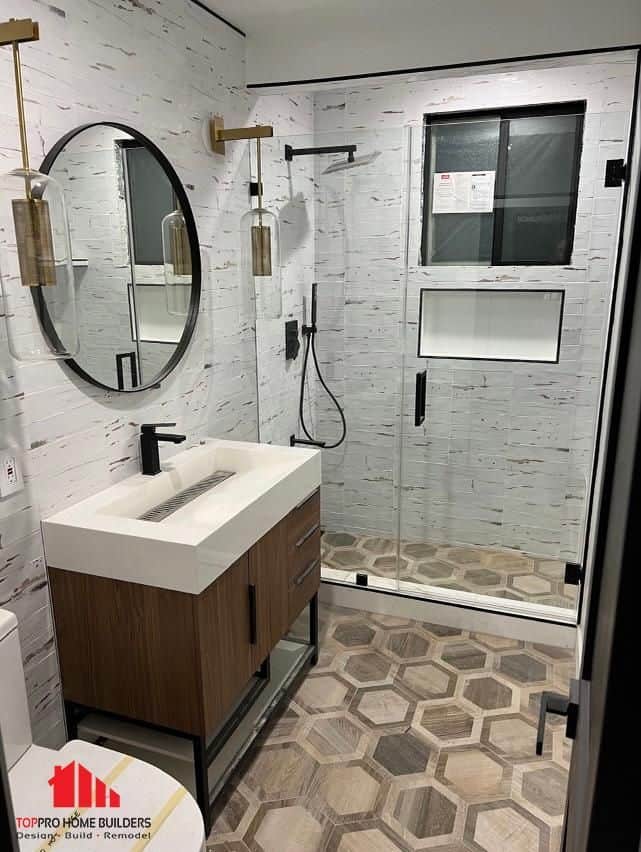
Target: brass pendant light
(42,248)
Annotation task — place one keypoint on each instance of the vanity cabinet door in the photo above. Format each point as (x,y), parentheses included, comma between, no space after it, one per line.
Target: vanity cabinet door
(268,576)
(224,640)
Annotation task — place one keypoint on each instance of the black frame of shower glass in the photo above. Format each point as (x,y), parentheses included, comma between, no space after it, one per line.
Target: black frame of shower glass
(504,115)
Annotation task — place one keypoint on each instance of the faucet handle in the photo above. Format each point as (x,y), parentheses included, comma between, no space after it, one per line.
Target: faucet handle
(151,427)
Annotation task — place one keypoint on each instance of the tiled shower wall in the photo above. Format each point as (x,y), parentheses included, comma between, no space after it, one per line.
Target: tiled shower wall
(504,456)
(163,67)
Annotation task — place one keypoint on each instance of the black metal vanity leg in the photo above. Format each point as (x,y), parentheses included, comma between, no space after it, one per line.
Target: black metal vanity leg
(71,720)
(313,628)
(202,781)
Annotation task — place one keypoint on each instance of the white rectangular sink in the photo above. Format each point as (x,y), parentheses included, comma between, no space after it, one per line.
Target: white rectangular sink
(188,549)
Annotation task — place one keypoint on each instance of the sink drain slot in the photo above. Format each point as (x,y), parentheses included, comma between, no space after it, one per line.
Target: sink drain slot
(168,507)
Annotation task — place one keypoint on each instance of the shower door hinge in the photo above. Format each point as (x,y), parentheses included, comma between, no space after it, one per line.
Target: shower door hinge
(615,172)
(573,574)
(253,189)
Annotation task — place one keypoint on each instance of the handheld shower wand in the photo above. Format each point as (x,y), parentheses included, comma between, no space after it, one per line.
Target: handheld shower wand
(309,333)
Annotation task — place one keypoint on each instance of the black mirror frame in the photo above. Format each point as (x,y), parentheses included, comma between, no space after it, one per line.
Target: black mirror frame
(196,283)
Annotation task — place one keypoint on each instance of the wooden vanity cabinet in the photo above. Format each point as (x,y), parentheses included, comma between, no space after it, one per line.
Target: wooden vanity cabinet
(177,660)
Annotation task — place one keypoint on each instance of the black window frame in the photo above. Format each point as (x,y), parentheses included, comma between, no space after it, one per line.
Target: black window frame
(504,115)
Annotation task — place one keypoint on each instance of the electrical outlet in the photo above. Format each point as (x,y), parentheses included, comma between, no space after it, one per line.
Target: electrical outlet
(10,473)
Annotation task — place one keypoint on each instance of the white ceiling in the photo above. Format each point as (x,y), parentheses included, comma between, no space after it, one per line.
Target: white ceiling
(311,39)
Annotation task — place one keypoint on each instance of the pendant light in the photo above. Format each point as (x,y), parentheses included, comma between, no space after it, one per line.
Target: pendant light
(177,261)
(260,231)
(38,288)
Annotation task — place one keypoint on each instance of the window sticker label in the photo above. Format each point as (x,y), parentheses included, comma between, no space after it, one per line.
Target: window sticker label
(463,192)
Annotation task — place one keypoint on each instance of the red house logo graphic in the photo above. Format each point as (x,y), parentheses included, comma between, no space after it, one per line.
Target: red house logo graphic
(74,786)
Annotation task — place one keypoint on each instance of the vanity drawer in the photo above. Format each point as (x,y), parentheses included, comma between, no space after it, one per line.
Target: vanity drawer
(303,523)
(304,586)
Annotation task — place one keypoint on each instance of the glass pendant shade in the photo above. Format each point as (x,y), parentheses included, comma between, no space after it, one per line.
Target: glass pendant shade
(177,260)
(260,257)
(38,286)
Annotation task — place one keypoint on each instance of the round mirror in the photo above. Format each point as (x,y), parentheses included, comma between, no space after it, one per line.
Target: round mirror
(135,255)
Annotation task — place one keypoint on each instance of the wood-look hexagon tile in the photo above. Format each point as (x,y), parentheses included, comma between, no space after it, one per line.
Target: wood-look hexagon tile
(446,724)
(481,577)
(555,653)
(463,656)
(442,631)
(339,539)
(382,706)
(542,789)
(365,836)
(389,622)
(530,584)
(464,555)
(402,754)
(504,827)
(419,551)
(434,569)
(354,634)
(323,693)
(350,791)
(280,772)
(379,546)
(522,668)
(425,814)
(428,680)
(348,557)
(496,643)
(281,827)
(387,566)
(488,693)
(513,736)
(334,738)
(407,645)
(283,726)
(474,773)
(369,667)
(229,812)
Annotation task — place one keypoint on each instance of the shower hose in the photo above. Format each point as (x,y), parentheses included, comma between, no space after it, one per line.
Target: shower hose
(310,345)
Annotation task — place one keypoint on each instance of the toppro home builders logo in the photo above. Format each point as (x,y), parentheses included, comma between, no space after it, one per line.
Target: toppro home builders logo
(75,789)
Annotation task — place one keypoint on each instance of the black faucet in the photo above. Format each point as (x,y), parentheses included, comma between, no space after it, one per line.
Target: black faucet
(149,439)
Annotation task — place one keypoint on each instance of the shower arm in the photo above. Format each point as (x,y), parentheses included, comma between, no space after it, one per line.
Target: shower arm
(350,150)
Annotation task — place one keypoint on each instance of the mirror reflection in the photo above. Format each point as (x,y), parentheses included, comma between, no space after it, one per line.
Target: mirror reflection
(131,253)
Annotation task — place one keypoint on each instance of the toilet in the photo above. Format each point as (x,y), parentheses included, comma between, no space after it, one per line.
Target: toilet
(89,797)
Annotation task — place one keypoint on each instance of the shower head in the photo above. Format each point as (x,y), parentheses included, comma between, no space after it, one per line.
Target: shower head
(352,163)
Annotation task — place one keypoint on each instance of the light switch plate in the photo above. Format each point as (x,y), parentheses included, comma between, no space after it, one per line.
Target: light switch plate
(10,474)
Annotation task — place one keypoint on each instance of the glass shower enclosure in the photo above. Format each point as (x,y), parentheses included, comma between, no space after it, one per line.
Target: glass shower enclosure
(465,273)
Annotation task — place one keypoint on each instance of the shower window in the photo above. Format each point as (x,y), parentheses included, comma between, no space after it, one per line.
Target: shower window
(500,187)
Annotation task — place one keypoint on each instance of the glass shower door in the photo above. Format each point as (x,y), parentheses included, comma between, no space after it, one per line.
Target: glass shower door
(509,290)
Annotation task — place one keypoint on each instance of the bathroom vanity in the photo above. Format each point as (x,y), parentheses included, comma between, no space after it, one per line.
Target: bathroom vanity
(170,592)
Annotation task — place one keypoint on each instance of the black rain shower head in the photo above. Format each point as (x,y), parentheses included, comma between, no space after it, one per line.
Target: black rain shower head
(290,152)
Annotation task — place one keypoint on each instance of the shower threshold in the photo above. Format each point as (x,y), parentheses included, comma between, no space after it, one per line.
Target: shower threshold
(510,576)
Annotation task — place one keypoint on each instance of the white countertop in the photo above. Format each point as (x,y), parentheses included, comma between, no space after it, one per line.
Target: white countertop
(187,551)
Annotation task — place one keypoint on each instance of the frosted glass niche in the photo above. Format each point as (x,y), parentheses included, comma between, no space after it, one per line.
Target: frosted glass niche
(491,325)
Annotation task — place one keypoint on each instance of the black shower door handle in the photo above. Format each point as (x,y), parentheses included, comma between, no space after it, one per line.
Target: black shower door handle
(420,397)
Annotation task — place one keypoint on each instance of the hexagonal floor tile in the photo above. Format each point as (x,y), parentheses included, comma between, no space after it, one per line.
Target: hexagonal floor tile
(496,643)
(280,772)
(512,735)
(339,539)
(551,569)
(419,551)
(435,569)
(502,827)
(388,565)
(531,584)
(334,736)
(523,668)
(382,707)
(352,634)
(408,645)
(349,789)
(289,829)
(402,754)
(447,722)
(228,813)
(428,680)
(441,630)
(379,546)
(349,557)
(482,577)
(555,653)
(472,772)
(546,788)
(368,837)
(464,555)
(321,694)
(464,656)
(487,693)
(425,812)
(368,668)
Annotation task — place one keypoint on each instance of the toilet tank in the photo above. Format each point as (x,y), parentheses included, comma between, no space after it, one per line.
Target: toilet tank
(14,711)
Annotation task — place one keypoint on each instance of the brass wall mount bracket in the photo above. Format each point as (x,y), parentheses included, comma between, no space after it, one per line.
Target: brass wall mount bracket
(218,135)
(19,31)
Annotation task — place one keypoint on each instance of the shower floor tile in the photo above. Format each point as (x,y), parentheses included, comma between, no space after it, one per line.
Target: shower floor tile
(406,736)
(483,571)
